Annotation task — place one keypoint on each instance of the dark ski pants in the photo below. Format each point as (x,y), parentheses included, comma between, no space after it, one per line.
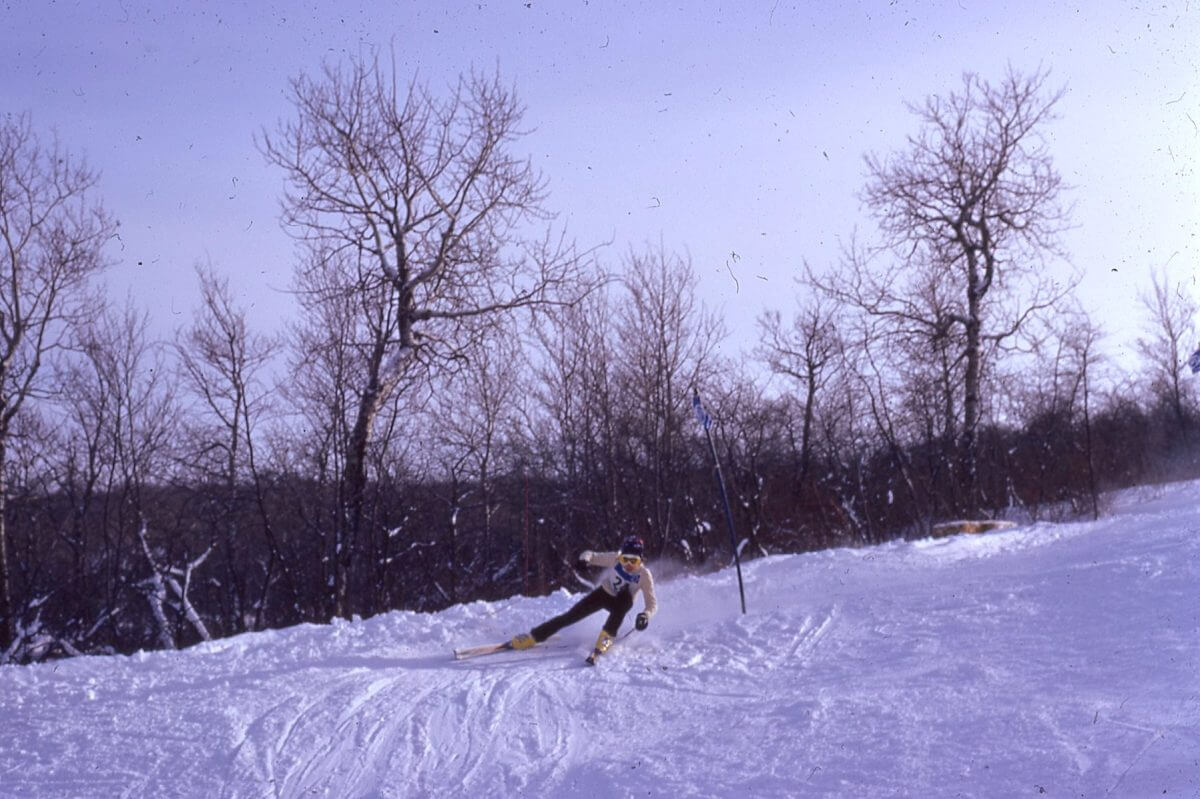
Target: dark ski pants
(599,599)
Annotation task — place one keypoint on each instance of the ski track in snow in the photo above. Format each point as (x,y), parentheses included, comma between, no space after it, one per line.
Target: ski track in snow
(1056,658)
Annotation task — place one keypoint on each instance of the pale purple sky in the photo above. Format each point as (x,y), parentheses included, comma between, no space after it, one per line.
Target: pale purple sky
(717,128)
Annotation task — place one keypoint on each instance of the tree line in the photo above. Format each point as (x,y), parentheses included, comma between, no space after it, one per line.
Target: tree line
(468,397)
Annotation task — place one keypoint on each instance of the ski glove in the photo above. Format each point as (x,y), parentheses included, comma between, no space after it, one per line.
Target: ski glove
(642,621)
(585,560)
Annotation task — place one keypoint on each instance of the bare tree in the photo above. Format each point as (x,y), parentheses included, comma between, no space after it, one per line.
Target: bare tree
(1083,342)
(475,415)
(38,557)
(52,236)
(806,352)
(971,212)
(141,424)
(1051,467)
(417,208)
(222,364)
(667,340)
(575,415)
(324,371)
(1171,332)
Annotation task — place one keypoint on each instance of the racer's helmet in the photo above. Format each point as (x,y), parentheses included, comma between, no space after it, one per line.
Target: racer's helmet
(633,545)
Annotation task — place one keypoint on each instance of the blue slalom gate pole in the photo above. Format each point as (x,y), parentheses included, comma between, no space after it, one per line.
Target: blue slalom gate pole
(706,422)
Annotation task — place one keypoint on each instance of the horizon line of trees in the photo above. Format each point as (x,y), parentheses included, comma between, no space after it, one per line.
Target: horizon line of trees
(469,398)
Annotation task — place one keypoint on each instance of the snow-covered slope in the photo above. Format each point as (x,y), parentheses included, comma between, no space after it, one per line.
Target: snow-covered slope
(1055,659)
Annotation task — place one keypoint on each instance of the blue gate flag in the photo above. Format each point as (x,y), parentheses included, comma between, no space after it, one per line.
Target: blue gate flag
(706,421)
(1193,362)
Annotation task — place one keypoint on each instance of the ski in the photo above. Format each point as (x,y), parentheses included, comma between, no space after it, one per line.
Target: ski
(475,651)
(462,653)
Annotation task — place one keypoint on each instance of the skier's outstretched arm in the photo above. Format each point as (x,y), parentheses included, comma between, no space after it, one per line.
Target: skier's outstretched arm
(598,558)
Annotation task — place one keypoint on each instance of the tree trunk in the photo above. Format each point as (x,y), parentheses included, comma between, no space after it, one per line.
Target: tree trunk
(8,624)
(353,497)
(810,404)
(355,484)
(971,386)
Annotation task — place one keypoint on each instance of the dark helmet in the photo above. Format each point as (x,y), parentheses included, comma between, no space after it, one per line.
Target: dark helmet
(633,545)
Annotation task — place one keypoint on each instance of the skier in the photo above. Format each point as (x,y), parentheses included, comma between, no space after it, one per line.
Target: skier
(627,574)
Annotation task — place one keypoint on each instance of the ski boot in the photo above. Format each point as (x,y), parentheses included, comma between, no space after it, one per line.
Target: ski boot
(522,641)
(603,642)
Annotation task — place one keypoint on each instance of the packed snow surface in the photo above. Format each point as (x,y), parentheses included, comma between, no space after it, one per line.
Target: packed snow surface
(1051,659)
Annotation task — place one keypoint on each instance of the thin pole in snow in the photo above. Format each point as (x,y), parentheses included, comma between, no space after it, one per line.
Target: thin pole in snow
(706,423)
